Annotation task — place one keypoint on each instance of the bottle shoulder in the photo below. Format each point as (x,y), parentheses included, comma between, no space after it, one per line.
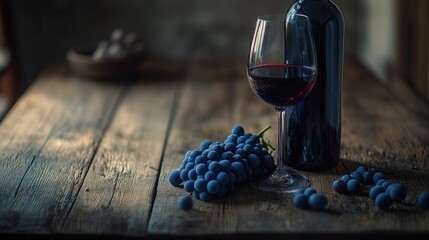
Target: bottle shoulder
(319,11)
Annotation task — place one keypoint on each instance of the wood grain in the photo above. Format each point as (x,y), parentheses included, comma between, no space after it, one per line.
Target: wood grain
(47,146)
(86,158)
(116,196)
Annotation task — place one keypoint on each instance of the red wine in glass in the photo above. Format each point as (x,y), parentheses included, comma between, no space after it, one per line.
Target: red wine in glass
(282,69)
(281,85)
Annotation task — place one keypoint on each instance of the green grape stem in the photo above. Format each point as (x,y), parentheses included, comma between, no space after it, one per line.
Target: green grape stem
(264,143)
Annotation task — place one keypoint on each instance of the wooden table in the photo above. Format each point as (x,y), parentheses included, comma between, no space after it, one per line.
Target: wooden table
(84,158)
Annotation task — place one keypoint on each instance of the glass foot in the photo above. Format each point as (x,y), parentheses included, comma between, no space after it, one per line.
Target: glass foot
(281,181)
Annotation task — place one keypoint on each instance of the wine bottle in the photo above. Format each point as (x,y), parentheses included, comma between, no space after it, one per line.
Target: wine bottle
(315,123)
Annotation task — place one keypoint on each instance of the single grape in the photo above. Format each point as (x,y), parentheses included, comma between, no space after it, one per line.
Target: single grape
(229,147)
(200,185)
(378,176)
(383,201)
(227,155)
(210,175)
(254,160)
(380,182)
(250,142)
(361,169)
(423,200)
(200,159)
(218,148)
(201,169)
(385,185)
(184,175)
(205,196)
(248,148)
(397,192)
(255,139)
(357,176)
(237,158)
(185,161)
(240,146)
(367,178)
(213,187)
(237,130)
(241,139)
(300,191)
(241,152)
(353,186)
(196,195)
(184,203)
(268,162)
(317,201)
(309,191)
(215,167)
(213,155)
(248,135)
(375,191)
(339,186)
(226,165)
(300,201)
(174,178)
(195,153)
(189,166)
(205,145)
(346,178)
(223,178)
(192,174)
(237,167)
(189,186)
(257,151)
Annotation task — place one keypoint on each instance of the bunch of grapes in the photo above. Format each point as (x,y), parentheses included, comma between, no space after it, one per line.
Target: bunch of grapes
(215,168)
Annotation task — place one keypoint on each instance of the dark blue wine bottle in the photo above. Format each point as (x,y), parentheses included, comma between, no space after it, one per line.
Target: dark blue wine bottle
(314,125)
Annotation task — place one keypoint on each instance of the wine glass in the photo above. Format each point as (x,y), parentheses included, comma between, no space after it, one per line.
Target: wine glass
(282,70)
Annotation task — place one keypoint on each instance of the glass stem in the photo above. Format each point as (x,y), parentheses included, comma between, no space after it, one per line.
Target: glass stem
(283,141)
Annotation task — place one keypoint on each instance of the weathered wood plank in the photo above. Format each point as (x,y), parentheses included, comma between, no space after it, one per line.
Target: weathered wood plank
(116,196)
(47,144)
(377,131)
(203,113)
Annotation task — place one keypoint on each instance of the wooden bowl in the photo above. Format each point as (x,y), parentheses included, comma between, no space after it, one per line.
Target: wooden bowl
(81,62)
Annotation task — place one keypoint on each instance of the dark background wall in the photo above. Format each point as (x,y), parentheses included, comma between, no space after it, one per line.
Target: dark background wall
(44,30)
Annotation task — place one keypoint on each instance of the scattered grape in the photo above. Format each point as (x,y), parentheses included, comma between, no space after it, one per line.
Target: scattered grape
(213,187)
(397,192)
(375,191)
(185,203)
(423,200)
(300,201)
(309,191)
(174,178)
(339,186)
(378,176)
(353,186)
(383,201)
(317,201)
